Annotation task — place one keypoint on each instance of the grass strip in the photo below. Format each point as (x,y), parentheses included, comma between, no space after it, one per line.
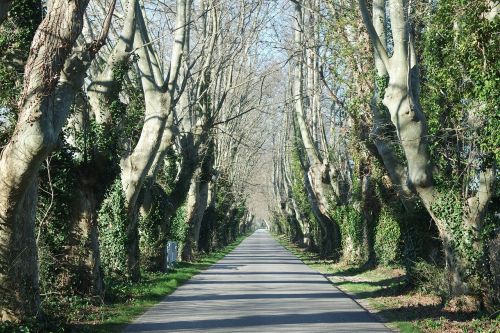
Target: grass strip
(355,289)
(132,300)
(384,291)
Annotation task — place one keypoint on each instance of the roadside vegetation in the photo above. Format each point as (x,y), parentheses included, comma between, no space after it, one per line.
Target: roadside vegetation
(121,304)
(410,308)
(386,167)
(120,131)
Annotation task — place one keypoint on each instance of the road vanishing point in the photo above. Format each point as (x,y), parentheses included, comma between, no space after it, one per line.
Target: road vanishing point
(258,287)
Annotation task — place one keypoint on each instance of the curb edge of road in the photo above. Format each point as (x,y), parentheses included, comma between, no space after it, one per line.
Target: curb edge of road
(365,305)
(361,303)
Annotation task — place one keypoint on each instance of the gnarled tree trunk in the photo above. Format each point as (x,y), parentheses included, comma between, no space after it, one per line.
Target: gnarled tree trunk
(197,201)
(316,173)
(401,98)
(137,164)
(40,121)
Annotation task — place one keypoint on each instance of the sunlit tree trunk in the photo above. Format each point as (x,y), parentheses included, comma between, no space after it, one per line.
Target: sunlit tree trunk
(136,165)
(42,115)
(401,98)
(316,173)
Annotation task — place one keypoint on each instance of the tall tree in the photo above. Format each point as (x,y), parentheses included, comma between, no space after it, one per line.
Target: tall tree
(315,166)
(401,96)
(137,163)
(42,114)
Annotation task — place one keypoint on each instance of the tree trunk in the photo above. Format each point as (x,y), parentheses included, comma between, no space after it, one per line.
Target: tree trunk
(196,205)
(193,201)
(154,228)
(206,240)
(305,232)
(316,175)
(198,217)
(132,245)
(85,242)
(84,251)
(198,199)
(370,211)
(40,122)
(19,288)
(136,166)
(401,97)
(304,238)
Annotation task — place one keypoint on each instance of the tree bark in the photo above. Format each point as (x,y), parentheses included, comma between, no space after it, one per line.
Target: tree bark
(206,240)
(100,89)
(137,164)
(84,246)
(196,205)
(85,249)
(197,200)
(401,98)
(316,173)
(36,133)
(298,215)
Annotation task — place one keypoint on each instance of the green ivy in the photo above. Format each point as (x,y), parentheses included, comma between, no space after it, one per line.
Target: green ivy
(168,173)
(153,230)
(229,209)
(448,209)
(460,97)
(387,238)
(24,17)
(350,221)
(300,196)
(461,82)
(112,221)
(53,217)
(125,123)
(381,82)
(177,228)
(16,34)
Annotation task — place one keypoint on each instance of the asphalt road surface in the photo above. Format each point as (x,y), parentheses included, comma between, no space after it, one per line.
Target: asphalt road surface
(259,287)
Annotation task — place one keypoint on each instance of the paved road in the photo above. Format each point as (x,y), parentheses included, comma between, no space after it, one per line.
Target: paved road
(259,287)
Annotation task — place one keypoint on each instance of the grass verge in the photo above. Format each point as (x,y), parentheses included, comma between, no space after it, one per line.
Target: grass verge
(131,300)
(384,292)
(124,301)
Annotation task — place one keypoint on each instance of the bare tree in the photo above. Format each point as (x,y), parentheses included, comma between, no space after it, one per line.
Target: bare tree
(136,165)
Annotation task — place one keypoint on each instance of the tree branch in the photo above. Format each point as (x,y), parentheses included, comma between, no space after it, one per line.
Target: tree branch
(372,33)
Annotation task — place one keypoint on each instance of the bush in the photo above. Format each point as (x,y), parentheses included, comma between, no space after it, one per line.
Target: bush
(387,238)
(430,278)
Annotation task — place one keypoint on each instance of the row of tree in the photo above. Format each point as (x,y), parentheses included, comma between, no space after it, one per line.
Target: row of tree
(389,148)
(124,124)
